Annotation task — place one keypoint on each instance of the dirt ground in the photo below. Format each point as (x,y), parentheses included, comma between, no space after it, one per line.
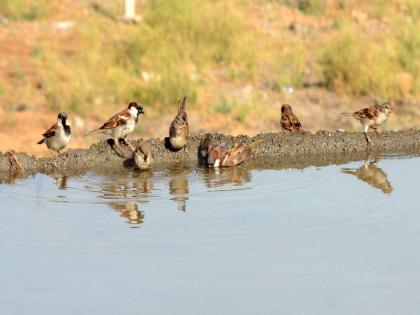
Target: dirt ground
(297,150)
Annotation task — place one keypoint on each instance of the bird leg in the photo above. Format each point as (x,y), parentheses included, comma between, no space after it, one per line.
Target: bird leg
(367,139)
(378,133)
(128,144)
(118,149)
(366,135)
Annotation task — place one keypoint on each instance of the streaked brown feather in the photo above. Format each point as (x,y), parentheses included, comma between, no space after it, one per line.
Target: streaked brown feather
(289,121)
(179,126)
(50,132)
(117,120)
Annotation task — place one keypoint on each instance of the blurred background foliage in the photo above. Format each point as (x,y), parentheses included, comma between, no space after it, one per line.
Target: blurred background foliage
(227,56)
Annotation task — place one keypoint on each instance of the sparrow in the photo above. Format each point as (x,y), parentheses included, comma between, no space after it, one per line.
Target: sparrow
(217,155)
(288,119)
(179,129)
(16,170)
(372,117)
(143,157)
(57,137)
(119,126)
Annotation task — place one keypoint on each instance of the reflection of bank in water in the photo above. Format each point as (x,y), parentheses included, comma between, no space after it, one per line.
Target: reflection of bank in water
(217,177)
(370,173)
(130,211)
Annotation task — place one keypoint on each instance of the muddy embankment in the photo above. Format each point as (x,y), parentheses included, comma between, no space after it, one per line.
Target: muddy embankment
(279,150)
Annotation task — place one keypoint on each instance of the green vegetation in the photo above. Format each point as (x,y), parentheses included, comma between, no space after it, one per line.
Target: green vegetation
(24,10)
(387,66)
(195,47)
(156,61)
(311,6)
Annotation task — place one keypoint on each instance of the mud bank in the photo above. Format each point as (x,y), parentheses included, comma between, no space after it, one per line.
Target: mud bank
(278,150)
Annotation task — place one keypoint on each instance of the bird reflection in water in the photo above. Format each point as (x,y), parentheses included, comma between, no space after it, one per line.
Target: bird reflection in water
(61,181)
(130,211)
(125,193)
(217,177)
(178,185)
(372,174)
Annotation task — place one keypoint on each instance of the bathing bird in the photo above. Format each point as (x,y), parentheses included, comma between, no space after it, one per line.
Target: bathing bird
(119,126)
(288,120)
(57,137)
(372,117)
(218,155)
(143,157)
(179,129)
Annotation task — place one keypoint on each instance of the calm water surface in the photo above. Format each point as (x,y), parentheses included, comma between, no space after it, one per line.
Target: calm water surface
(340,239)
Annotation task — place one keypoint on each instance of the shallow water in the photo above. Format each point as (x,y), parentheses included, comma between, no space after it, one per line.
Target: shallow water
(340,239)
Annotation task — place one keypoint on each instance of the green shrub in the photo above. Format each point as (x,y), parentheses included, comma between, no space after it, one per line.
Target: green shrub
(311,6)
(355,64)
(27,10)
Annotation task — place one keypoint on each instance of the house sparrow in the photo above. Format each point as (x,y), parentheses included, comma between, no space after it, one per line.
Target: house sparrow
(119,126)
(219,155)
(372,117)
(143,157)
(58,136)
(179,129)
(16,170)
(289,120)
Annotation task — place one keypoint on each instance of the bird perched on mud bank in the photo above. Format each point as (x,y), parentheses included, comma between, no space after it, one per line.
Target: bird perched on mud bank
(143,157)
(179,129)
(57,137)
(288,120)
(119,126)
(372,117)
(216,155)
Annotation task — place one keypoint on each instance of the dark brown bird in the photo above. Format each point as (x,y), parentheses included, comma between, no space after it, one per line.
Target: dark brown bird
(179,129)
(289,120)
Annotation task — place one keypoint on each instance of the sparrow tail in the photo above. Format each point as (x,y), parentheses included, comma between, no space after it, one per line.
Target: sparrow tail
(347,114)
(253,144)
(41,141)
(181,104)
(91,132)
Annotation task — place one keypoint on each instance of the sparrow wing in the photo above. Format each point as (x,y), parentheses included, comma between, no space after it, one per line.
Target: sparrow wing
(50,132)
(290,122)
(179,126)
(236,155)
(117,120)
(369,112)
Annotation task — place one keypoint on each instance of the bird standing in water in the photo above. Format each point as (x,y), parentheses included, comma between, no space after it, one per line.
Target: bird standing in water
(218,155)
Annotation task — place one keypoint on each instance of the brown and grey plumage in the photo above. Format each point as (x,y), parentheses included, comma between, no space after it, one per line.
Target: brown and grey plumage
(289,120)
(372,117)
(119,126)
(179,129)
(57,137)
(219,155)
(143,157)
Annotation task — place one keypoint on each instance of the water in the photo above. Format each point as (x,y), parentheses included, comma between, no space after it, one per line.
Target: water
(340,239)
